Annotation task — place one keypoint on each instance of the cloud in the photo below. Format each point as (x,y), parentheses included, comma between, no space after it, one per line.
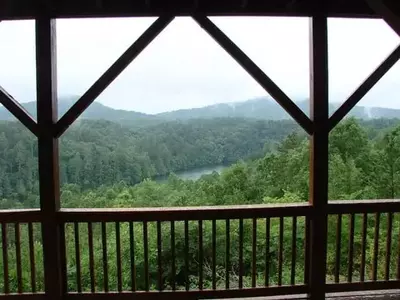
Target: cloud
(185,68)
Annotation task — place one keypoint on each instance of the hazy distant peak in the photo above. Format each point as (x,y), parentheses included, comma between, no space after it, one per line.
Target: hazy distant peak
(263,108)
(71,99)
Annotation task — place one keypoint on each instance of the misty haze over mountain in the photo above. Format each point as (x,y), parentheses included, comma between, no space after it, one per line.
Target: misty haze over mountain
(259,108)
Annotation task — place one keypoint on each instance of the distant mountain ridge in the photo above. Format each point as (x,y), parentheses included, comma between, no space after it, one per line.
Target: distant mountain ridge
(267,108)
(95,111)
(259,108)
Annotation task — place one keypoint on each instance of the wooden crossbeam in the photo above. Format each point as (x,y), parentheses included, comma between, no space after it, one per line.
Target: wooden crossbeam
(246,63)
(22,9)
(111,74)
(364,88)
(389,10)
(18,111)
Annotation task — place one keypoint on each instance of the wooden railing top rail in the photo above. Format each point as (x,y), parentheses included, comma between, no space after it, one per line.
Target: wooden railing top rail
(201,212)
(20,215)
(185,213)
(364,206)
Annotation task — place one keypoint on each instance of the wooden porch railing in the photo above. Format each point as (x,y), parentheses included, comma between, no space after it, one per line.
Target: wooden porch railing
(243,256)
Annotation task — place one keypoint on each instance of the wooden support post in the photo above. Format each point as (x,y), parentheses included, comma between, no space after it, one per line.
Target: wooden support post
(319,108)
(48,154)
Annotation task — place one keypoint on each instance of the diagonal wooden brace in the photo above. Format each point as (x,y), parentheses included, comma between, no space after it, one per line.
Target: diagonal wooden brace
(111,74)
(364,88)
(246,63)
(18,111)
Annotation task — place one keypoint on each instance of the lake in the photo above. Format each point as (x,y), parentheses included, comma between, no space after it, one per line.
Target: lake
(194,174)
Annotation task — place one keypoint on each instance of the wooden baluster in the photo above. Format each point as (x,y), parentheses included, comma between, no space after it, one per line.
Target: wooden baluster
(4,242)
(214,249)
(159,256)
(132,254)
(376,247)
(32,257)
(18,256)
(388,244)
(240,253)
(118,255)
(363,246)
(201,255)
(254,252)
(351,249)
(294,248)
(280,251)
(91,258)
(105,255)
(338,247)
(77,258)
(267,246)
(186,225)
(146,256)
(227,252)
(173,268)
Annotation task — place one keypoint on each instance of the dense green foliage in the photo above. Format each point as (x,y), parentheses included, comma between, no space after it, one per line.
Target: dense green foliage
(95,153)
(363,164)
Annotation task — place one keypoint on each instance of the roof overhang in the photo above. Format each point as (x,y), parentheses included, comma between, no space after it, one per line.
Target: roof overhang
(29,9)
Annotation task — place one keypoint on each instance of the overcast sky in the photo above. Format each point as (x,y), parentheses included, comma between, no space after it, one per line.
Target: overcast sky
(183,67)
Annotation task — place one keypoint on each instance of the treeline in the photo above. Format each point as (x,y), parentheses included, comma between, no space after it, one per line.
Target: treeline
(95,153)
(360,167)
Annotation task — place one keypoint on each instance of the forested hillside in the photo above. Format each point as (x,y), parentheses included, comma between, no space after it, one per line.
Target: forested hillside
(360,166)
(96,153)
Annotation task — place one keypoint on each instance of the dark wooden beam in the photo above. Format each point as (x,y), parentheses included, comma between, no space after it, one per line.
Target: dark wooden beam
(246,63)
(389,10)
(319,108)
(25,296)
(183,213)
(197,294)
(384,286)
(363,206)
(364,88)
(23,9)
(48,154)
(20,215)
(111,74)
(18,111)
